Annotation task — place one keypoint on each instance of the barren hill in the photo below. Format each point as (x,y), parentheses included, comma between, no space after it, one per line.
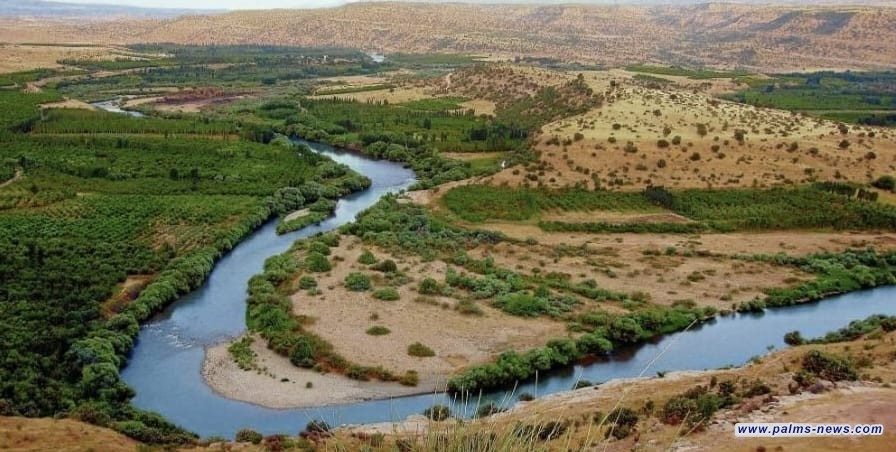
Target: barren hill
(723,35)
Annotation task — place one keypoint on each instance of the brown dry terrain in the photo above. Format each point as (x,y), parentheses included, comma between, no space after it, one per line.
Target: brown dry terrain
(620,143)
(22,57)
(723,35)
(23,434)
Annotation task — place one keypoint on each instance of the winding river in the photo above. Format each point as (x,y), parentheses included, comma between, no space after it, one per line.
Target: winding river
(165,365)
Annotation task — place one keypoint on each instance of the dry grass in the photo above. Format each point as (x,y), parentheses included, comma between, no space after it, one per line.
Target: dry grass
(21,434)
(779,147)
(21,57)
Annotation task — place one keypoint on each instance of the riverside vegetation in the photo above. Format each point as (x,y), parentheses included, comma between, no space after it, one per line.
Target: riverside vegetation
(109,218)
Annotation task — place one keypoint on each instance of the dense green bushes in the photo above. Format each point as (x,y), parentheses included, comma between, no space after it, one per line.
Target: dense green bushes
(713,210)
(167,208)
(851,332)
(407,228)
(478,203)
(836,273)
(607,331)
(828,366)
(357,282)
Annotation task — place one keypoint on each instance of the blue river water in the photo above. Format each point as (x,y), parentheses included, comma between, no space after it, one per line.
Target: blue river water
(165,365)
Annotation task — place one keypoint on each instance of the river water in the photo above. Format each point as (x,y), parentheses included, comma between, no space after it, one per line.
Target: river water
(165,365)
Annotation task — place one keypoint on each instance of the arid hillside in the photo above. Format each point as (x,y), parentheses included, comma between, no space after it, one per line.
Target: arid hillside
(722,35)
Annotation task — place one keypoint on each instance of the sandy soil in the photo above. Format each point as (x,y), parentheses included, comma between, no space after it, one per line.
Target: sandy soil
(23,57)
(342,317)
(296,215)
(266,388)
(480,106)
(624,268)
(70,103)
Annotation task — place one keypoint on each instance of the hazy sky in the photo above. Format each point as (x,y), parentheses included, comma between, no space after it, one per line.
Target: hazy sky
(217,4)
(264,4)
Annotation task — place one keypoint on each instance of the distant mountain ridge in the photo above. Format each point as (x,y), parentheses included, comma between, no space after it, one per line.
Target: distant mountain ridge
(47,9)
(720,35)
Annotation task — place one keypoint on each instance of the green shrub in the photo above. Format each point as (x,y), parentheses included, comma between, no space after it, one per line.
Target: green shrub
(468,307)
(488,409)
(386,294)
(357,282)
(317,426)
(437,413)
(885,183)
(319,247)
(677,409)
(302,353)
(419,350)
(430,286)
(794,338)
(248,436)
(386,266)
(621,421)
(378,331)
(410,378)
(242,354)
(367,258)
(307,282)
(830,367)
(317,262)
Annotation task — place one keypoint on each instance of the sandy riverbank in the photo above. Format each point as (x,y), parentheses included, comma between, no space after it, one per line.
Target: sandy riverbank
(265,387)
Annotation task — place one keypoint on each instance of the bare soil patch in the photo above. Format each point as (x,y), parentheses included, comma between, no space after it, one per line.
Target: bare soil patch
(342,317)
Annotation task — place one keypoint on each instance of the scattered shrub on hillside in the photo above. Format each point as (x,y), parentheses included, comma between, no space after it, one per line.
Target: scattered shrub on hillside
(357,282)
(885,183)
(386,294)
(621,421)
(319,247)
(419,350)
(430,286)
(830,367)
(307,282)
(378,331)
(367,258)
(317,262)
(386,266)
